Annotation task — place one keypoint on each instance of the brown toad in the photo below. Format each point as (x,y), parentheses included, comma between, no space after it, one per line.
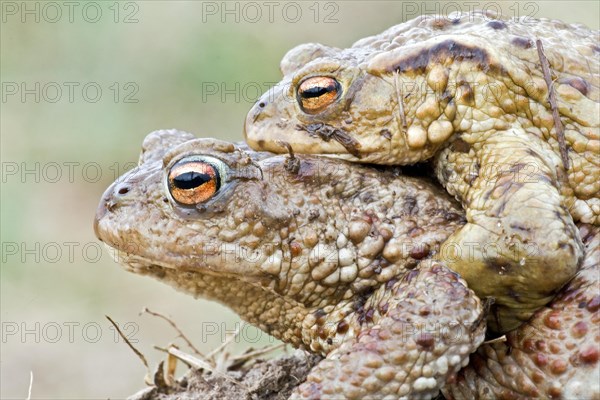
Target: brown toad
(327,255)
(469,93)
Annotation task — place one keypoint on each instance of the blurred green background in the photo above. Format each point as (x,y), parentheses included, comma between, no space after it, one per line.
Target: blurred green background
(82,84)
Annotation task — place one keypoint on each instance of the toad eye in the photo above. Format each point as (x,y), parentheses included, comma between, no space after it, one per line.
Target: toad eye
(195,179)
(317,92)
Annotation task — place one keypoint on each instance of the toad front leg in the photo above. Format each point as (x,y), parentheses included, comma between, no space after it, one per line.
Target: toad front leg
(520,244)
(411,337)
(554,355)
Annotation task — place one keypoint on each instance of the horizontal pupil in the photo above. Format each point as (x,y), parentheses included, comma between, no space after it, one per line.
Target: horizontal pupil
(317,91)
(191,180)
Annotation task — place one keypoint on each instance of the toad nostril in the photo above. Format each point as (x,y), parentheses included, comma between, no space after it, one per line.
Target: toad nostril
(261,104)
(123,190)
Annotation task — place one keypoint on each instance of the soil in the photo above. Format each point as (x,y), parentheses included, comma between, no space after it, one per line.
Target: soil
(272,379)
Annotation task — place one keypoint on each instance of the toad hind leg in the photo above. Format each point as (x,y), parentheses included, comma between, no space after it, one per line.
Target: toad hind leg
(520,244)
(427,325)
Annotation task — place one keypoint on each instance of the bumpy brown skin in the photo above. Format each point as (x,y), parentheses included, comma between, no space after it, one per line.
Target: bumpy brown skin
(342,269)
(469,93)
(554,355)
